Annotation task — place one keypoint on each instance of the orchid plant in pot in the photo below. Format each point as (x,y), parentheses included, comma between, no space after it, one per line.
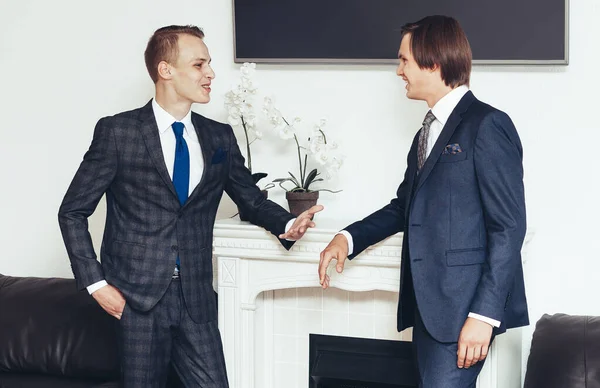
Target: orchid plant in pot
(300,192)
(240,114)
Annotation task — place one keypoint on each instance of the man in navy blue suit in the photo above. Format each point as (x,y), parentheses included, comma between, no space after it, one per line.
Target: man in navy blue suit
(461,207)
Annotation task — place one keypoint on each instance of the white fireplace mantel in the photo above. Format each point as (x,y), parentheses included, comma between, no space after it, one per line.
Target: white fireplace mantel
(250,260)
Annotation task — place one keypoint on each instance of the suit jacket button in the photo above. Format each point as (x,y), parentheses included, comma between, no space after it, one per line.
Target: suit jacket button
(174,248)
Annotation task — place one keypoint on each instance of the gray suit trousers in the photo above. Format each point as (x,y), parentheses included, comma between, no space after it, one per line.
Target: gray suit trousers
(149,340)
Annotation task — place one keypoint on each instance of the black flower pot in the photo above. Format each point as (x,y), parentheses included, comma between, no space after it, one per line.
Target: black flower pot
(300,201)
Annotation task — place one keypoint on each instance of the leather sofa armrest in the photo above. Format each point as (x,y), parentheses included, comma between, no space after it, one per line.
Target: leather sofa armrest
(48,327)
(564,353)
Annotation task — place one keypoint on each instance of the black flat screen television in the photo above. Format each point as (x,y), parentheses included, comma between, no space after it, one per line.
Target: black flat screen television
(368,31)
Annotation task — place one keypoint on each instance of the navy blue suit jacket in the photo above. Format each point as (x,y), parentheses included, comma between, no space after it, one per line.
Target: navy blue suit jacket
(463,218)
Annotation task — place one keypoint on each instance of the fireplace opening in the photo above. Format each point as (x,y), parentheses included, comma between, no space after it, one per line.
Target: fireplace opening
(345,362)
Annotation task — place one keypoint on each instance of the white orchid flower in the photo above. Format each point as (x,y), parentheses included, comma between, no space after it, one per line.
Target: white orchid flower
(334,166)
(322,156)
(276,121)
(258,134)
(248,69)
(250,120)
(319,146)
(315,147)
(320,125)
(286,131)
(234,121)
(268,103)
(316,142)
(239,105)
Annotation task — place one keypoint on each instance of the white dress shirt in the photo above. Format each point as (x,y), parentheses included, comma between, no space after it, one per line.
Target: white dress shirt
(167,141)
(441,110)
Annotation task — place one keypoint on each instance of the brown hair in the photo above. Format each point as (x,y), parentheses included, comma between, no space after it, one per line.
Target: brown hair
(162,46)
(440,41)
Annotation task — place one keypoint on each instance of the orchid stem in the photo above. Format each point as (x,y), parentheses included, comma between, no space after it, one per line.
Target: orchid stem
(324,137)
(247,145)
(299,161)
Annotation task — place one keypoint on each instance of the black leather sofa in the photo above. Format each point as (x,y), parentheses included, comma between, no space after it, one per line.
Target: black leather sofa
(52,335)
(565,353)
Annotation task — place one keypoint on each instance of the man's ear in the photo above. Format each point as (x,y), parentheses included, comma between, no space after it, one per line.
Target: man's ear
(164,70)
(435,68)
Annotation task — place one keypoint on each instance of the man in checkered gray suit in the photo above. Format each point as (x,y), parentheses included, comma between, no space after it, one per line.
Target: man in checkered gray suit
(163,169)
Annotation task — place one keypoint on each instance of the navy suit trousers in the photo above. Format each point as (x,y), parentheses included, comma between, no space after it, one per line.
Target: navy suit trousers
(437,361)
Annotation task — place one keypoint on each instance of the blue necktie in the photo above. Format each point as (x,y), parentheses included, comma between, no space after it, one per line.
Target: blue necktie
(181,167)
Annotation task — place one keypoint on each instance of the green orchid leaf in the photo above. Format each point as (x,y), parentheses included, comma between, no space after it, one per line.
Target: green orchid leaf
(295,180)
(310,178)
(304,173)
(281,184)
(298,190)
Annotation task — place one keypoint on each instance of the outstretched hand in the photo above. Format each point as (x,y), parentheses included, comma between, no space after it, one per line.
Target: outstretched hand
(302,223)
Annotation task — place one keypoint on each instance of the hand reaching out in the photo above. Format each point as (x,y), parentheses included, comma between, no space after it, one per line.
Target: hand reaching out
(302,223)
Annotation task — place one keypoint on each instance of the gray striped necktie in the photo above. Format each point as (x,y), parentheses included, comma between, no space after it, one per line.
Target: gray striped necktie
(423,137)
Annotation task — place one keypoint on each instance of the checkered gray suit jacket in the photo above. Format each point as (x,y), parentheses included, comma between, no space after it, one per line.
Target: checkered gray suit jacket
(146,227)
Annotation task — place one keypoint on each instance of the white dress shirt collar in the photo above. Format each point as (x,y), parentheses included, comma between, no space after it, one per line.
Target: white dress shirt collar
(164,120)
(444,107)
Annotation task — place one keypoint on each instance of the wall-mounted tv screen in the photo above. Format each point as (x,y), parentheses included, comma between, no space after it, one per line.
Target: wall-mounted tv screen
(368,31)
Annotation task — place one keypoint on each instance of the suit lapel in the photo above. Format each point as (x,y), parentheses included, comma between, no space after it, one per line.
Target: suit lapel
(204,141)
(447,132)
(412,167)
(149,131)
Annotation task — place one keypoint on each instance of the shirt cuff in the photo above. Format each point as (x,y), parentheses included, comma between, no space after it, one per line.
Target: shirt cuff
(96,286)
(487,320)
(288,226)
(350,242)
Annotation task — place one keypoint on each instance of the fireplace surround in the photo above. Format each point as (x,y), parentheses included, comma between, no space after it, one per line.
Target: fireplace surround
(251,266)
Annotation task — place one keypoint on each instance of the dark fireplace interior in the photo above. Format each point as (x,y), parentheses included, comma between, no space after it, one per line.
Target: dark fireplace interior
(344,362)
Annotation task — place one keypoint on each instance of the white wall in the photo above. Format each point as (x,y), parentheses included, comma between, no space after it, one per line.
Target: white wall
(66,63)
